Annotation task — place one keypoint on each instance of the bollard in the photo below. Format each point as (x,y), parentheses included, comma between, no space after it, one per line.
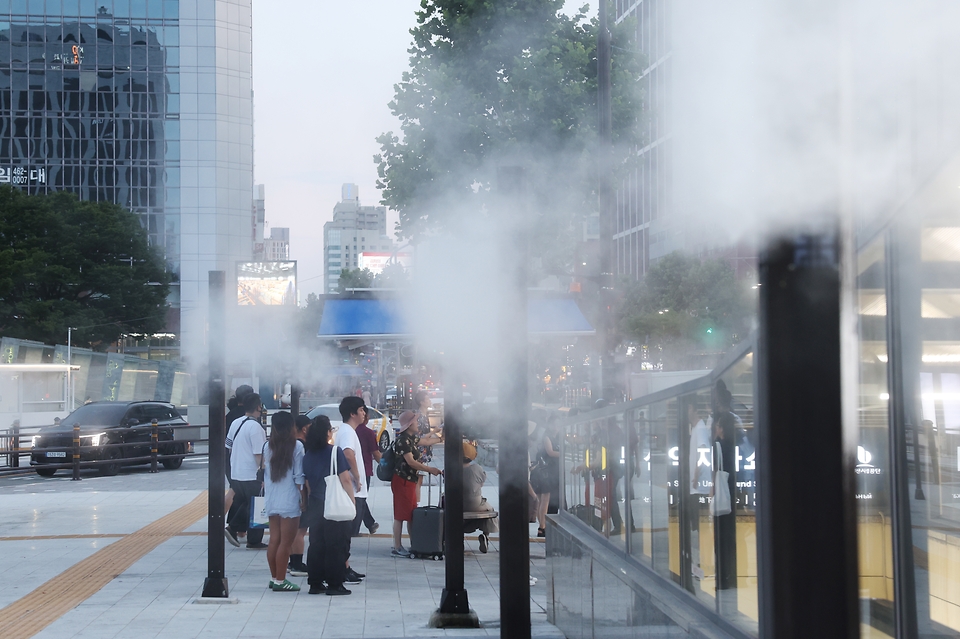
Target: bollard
(153,446)
(15,444)
(76,452)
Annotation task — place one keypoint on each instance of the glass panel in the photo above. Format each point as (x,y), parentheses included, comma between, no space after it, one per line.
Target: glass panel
(735,547)
(699,462)
(933,447)
(641,488)
(873,454)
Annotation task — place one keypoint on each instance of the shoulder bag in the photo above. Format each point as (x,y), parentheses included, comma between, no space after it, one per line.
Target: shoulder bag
(721,504)
(337,505)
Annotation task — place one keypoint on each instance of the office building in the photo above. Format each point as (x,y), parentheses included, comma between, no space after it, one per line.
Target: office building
(354,230)
(145,103)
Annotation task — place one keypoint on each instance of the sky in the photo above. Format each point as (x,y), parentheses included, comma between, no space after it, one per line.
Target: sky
(323,76)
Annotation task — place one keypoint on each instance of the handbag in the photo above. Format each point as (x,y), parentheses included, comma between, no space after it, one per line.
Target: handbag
(721,504)
(258,512)
(540,477)
(258,503)
(337,505)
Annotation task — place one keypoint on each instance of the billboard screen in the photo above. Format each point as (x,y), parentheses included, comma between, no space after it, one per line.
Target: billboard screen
(376,262)
(267,283)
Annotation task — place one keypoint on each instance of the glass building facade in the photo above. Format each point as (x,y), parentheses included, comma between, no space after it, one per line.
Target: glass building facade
(145,103)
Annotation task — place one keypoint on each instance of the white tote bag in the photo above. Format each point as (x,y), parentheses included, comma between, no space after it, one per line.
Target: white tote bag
(721,504)
(337,505)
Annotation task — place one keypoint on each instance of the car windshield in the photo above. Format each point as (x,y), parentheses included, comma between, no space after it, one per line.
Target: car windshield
(97,415)
(332,412)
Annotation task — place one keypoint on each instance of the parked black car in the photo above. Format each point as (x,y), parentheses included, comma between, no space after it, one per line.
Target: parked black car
(103,424)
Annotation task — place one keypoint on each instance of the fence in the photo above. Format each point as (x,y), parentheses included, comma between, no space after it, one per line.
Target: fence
(107,450)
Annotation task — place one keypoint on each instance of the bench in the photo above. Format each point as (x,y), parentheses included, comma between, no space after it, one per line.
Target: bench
(475,517)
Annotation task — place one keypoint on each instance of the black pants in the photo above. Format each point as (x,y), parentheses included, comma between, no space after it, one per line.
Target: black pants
(329,549)
(239,517)
(363,516)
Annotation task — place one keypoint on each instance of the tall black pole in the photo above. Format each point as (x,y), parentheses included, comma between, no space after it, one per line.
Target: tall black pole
(514,404)
(215,585)
(608,225)
(807,447)
(454,609)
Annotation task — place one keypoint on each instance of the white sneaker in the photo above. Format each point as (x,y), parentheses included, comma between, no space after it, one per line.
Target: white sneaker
(400,552)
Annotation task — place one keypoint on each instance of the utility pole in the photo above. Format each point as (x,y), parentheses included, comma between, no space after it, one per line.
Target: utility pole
(607,247)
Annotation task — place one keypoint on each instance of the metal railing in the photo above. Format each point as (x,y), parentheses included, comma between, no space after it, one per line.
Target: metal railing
(17,451)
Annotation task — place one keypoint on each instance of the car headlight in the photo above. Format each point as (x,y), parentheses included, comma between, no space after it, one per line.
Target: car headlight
(93,440)
(35,441)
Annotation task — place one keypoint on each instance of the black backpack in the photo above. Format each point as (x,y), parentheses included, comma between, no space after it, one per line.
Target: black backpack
(387,465)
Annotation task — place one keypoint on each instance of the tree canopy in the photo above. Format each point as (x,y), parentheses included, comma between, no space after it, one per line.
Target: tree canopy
(687,306)
(86,265)
(493,82)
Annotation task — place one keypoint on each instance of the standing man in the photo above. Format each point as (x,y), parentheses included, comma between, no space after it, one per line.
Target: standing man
(234,412)
(353,412)
(246,440)
(371,456)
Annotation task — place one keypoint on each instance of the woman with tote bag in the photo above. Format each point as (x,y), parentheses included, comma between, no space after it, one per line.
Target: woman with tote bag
(328,477)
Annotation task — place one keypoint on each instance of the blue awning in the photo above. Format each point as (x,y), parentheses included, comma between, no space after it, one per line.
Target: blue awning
(382,319)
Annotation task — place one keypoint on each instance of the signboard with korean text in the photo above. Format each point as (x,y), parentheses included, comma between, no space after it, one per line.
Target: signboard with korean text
(23,175)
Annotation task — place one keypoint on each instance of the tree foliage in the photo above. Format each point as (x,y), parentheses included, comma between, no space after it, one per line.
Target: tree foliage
(512,81)
(88,265)
(356,278)
(685,305)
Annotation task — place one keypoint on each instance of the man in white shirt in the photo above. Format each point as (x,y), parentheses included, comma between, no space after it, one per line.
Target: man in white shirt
(353,412)
(245,439)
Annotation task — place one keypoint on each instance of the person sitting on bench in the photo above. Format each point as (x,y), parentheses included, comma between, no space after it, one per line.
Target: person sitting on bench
(473,502)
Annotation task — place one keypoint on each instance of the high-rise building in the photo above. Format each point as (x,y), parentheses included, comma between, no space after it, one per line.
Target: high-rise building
(145,103)
(355,229)
(649,222)
(276,248)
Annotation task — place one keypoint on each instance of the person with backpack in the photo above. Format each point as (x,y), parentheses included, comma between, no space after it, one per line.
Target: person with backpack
(245,441)
(406,453)
(285,496)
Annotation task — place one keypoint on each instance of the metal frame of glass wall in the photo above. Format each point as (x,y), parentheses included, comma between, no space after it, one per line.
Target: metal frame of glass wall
(640,475)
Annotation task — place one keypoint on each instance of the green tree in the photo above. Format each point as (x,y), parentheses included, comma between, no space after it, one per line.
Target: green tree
(508,81)
(685,306)
(357,278)
(64,263)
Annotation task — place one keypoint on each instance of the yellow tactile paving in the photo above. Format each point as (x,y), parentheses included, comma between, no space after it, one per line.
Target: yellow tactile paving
(32,613)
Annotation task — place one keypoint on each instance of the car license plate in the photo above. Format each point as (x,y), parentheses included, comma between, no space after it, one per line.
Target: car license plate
(59,453)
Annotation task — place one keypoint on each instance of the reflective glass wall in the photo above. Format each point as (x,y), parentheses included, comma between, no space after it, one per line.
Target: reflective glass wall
(89,101)
(644,477)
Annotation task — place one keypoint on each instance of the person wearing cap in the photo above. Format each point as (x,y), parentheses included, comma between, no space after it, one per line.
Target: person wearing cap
(406,451)
(474,477)
(246,440)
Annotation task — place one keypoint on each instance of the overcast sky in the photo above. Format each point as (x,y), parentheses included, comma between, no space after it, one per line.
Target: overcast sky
(323,75)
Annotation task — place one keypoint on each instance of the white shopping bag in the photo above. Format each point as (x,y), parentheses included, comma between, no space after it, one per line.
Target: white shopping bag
(258,512)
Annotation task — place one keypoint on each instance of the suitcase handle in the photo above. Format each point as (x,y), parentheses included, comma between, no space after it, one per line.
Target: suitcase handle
(430,488)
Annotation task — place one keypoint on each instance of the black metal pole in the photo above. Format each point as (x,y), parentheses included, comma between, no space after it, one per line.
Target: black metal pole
(215,585)
(294,400)
(807,450)
(454,604)
(904,352)
(514,407)
(608,224)
(76,452)
(154,437)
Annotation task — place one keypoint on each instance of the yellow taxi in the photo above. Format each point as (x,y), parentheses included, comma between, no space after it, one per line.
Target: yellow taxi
(378,422)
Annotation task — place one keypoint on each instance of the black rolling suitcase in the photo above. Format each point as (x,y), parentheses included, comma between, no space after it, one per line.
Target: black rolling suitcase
(426,529)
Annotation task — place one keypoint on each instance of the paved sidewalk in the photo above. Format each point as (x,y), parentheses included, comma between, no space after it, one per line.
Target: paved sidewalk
(45,533)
